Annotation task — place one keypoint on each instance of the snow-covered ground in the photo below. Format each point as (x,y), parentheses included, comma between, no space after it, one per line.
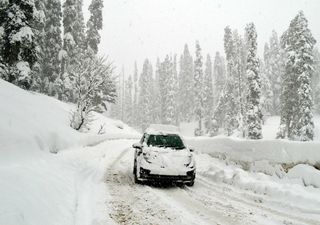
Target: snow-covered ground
(36,186)
(53,175)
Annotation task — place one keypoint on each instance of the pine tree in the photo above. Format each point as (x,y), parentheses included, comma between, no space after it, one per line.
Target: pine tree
(296,99)
(94,25)
(167,92)
(156,94)
(186,97)
(227,108)
(175,90)
(253,109)
(52,44)
(239,62)
(73,45)
(315,82)
(135,95)
(208,94)
(266,92)
(40,82)
(19,48)
(198,88)
(219,76)
(273,65)
(145,95)
(128,107)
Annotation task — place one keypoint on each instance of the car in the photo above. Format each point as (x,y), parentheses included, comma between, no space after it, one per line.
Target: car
(161,155)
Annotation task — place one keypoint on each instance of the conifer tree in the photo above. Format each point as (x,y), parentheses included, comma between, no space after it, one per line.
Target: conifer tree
(227,107)
(186,97)
(128,107)
(73,45)
(273,67)
(156,94)
(296,97)
(19,48)
(253,109)
(145,95)
(135,95)
(315,82)
(239,63)
(94,25)
(175,80)
(167,91)
(208,94)
(219,76)
(198,88)
(52,44)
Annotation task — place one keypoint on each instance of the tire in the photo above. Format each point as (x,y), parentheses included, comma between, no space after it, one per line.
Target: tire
(190,183)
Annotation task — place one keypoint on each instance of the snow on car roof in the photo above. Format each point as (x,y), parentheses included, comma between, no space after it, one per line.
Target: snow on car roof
(162,129)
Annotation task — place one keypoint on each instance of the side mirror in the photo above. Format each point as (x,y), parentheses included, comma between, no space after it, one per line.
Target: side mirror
(137,145)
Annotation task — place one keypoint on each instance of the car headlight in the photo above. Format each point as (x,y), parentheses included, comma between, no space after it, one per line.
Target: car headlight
(147,157)
(190,163)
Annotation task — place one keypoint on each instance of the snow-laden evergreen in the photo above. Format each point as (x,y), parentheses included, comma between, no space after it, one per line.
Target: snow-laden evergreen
(167,92)
(156,94)
(198,88)
(145,95)
(315,82)
(128,104)
(266,91)
(219,76)
(175,87)
(208,94)
(239,74)
(52,44)
(226,111)
(186,97)
(273,68)
(253,108)
(73,45)
(19,46)
(94,25)
(135,95)
(296,97)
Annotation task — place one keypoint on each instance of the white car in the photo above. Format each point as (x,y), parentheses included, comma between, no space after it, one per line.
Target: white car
(161,155)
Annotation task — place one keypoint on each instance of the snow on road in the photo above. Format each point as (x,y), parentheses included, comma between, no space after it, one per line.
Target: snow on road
(208,202)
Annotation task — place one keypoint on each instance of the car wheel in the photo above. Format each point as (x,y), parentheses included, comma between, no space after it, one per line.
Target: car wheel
(190,184)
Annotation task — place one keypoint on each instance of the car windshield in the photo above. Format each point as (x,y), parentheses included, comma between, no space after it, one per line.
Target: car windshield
(167,141)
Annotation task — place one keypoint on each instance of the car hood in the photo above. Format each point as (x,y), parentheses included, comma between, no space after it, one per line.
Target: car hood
(167,157)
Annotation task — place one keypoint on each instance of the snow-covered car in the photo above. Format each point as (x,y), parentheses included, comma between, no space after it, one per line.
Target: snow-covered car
(161,155)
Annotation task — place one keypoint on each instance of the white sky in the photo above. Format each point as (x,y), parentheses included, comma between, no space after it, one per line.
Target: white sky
(136,29)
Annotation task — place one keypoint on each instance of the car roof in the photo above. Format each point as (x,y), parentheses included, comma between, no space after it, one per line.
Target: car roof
(162,129)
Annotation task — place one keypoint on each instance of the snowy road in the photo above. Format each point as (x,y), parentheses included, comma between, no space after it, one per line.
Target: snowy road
(208,202)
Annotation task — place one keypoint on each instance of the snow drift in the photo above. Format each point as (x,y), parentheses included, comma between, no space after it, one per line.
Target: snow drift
(37,187)
(274,151)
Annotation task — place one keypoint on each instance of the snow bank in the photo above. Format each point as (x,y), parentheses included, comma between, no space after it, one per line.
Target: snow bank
(284,191)
(37,187)
(308,174)
(31,122)
(274,151)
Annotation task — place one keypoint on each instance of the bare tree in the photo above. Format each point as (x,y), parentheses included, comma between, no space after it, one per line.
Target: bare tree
(94,86)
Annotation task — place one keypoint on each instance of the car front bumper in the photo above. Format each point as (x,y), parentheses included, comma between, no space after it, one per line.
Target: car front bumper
(146,174)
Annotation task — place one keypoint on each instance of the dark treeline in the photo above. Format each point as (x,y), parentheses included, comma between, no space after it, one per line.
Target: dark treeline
(234,93)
